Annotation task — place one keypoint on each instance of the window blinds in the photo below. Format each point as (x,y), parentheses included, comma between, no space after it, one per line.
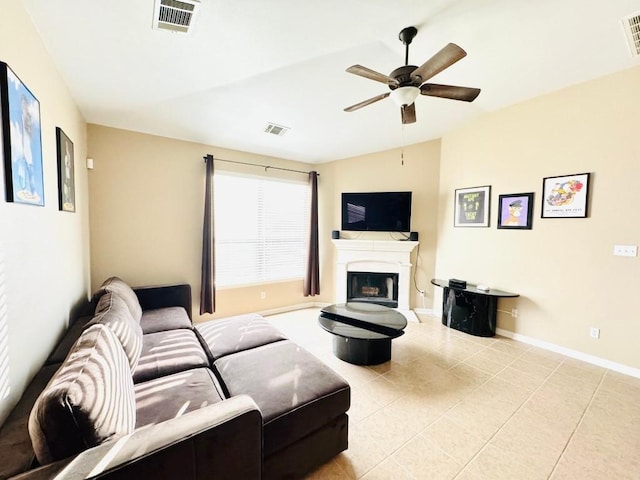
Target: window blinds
(260,229)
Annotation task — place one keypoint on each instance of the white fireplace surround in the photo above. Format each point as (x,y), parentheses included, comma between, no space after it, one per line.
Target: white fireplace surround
(378,256)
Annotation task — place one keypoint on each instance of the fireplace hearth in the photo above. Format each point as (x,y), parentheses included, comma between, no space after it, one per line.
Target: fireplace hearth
(373,287)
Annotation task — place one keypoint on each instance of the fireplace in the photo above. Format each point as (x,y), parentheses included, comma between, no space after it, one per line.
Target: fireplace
(380,288)
(373,257)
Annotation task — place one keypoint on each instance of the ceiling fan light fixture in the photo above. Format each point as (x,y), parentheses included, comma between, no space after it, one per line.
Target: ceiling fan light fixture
(405,95)
(405,83)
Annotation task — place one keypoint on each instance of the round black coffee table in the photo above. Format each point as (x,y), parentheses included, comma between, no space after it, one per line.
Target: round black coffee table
(362,331)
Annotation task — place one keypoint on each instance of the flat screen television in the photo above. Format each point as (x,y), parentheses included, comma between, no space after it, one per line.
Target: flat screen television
(376,211)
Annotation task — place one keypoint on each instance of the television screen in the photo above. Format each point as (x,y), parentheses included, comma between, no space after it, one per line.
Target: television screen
(377,211)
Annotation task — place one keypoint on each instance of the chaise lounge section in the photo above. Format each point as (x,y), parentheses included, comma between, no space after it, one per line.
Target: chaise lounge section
(136,391)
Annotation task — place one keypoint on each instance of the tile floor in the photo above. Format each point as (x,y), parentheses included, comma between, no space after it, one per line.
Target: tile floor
(454,406)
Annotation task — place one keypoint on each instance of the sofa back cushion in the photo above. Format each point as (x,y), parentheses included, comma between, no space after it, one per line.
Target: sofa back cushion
(89,400)
(123,290)
(113,312)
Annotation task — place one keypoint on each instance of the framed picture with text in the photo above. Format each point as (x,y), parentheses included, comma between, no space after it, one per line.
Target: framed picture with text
(515,211)
(566,196)
(472,207)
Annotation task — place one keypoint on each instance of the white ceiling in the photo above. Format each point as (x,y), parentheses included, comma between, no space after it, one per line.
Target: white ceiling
(249,62)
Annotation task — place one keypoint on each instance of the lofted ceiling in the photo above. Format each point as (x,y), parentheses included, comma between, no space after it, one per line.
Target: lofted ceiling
(247,63)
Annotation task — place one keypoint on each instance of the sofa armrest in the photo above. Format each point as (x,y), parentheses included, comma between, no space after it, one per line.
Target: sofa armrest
(165,296)
(223,440)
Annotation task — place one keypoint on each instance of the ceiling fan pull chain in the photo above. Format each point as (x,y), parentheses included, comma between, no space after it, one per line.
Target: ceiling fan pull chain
(402,149)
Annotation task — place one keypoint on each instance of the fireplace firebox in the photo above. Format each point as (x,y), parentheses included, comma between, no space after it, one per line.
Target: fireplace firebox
(380,288)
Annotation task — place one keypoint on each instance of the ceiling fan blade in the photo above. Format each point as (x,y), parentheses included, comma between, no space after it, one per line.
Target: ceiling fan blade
(366,102)
(372,74)
(446,57)
(408,113)
(465,94)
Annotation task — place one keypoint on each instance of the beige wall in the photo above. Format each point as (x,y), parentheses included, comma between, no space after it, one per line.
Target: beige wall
(44,253)
(146,218)
(563,269)
(383,171)
(147,195)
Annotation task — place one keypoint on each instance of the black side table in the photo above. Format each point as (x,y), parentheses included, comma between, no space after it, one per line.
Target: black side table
(470,310)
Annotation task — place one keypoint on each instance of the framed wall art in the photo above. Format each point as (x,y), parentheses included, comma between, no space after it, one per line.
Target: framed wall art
(472,207)
(66,175)
(21,140)
(566,196)
(515,211)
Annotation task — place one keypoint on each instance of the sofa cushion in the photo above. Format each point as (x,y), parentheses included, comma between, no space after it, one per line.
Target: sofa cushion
(119,287)
(236,334)
(162,319)
(89,400)
(295,391)
(174,395)
(113,312)
(164,353)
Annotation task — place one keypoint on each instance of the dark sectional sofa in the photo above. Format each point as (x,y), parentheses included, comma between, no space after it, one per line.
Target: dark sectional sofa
(137,391)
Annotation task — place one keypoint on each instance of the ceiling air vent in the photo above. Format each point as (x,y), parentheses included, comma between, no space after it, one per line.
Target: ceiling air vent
(631,26)
(175,15)
(275,129)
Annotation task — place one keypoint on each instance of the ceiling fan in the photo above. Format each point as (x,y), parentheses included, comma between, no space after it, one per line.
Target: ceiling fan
(408,81)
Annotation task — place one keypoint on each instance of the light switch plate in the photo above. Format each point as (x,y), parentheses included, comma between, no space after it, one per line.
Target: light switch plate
(625,250)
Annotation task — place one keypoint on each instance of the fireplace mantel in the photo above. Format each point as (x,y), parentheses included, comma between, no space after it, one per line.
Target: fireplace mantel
(376,245)
(383,256)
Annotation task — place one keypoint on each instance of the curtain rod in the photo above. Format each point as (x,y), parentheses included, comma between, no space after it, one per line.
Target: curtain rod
(266,167)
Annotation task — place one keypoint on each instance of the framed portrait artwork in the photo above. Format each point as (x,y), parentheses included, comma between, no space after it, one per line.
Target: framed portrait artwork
(566,196)
(472,207)
(66,174)
(515,211)
(21,140)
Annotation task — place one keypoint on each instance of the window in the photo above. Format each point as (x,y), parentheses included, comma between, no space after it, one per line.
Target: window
(260,229)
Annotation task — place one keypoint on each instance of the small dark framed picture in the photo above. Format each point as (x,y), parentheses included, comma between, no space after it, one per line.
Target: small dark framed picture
(472,207)
(515,211)
(566,196)
(66,174)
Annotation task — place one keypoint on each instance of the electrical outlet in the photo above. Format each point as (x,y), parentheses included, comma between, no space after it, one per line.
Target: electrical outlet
(263,295)
(594,332)
(514,312)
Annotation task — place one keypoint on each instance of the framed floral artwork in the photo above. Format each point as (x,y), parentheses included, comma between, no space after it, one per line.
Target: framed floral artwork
(566,196)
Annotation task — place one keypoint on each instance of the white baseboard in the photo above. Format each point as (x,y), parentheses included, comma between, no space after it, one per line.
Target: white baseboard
(601,362)
(291,308)
(411,317)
